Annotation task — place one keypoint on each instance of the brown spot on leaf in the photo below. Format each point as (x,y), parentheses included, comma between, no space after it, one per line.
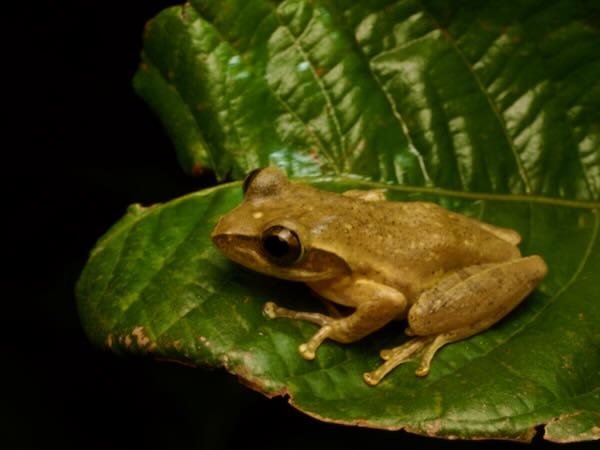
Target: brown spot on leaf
(561,438)
(204,341)
(140,336)
(433,428)
(184,13)
(567,361)
(255,383)
(198,170)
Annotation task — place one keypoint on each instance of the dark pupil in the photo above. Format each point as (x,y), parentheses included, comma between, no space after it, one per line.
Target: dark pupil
(276,246)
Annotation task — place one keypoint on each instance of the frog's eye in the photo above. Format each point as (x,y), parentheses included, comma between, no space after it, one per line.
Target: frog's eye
(281,245)
(249,178)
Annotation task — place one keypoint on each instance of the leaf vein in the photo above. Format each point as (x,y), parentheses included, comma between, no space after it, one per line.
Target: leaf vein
(493,107)
(168,259)
(309,131)
(468,195)
(330,108)
(392,104)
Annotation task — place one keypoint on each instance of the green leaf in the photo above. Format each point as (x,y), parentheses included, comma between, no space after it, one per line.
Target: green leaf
(478,96)
(155,284)
(488,108)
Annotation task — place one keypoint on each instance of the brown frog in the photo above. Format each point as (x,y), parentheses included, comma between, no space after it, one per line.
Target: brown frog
(449,275)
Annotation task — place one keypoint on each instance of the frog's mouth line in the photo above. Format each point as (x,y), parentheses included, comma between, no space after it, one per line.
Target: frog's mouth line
(315,265)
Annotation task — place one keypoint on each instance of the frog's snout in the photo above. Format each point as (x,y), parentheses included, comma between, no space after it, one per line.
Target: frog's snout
(217,230)
(222,234)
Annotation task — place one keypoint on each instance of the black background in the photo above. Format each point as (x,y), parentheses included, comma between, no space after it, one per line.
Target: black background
(88,148)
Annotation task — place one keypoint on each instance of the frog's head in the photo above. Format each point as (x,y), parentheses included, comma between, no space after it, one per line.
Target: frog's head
(267,233)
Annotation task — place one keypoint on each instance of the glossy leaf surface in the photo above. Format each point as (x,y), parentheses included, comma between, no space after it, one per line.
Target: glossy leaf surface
(479,95)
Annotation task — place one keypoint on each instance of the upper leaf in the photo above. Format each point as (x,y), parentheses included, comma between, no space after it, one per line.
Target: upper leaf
(479,96)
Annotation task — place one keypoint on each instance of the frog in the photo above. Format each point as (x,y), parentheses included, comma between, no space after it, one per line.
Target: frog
(447,275)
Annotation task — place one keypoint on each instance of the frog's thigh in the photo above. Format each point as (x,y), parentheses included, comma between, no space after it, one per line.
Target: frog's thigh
(460,305)
(474,298)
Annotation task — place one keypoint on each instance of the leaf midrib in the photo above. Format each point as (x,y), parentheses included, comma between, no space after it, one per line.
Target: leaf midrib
(517,198)
(521,198)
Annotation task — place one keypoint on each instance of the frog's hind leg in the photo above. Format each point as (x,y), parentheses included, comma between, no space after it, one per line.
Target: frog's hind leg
(470,301)
(460,305)
(426,346)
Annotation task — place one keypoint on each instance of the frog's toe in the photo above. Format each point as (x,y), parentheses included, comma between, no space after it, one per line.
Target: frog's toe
(306,352)
(308,349)
(422,371)
(371,379)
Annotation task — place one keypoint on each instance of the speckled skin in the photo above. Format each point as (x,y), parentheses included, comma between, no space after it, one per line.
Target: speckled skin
(386,259)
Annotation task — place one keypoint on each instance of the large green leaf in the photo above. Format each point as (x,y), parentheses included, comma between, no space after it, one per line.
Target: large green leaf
(488,108)
(154,283)
(479,95)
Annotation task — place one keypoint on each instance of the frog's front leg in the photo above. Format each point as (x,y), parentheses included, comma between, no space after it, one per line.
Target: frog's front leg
(460,305)
(376,305)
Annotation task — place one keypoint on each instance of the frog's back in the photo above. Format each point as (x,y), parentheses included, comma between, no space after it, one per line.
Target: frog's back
(408,240)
